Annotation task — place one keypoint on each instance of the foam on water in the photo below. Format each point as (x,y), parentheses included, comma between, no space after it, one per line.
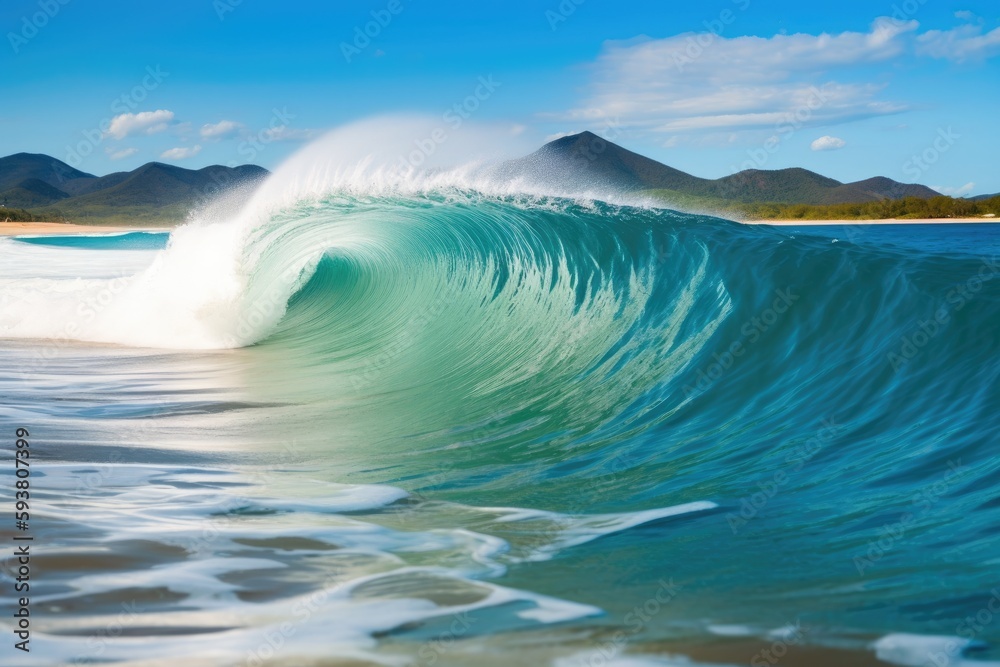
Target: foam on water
(374,581)
(431,395)
(197,294)
(912,650)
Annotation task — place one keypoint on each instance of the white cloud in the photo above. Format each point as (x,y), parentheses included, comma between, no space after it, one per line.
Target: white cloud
(120,154)
(828,143)
(704,82)
(967,42)
(955,192)
(965,15)
(144,122)
(285,133)
(180,153)
(224,129)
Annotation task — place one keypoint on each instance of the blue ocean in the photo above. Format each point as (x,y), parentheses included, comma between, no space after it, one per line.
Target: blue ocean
(445,426)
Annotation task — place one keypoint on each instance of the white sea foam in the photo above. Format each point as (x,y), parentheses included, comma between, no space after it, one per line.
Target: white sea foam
(592,658)
(912,650)
(229,527)
(206,289)
(575,530)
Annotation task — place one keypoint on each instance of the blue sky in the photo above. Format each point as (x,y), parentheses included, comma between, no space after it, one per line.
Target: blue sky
(851,89)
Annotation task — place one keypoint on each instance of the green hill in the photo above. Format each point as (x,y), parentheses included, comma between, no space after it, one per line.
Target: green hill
(783,185)
(585,161)
(30,193)
(43,187)
(154,193)
(20,167)
(588,161)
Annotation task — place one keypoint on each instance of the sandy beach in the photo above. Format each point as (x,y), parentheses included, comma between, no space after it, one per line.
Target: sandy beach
(40,228)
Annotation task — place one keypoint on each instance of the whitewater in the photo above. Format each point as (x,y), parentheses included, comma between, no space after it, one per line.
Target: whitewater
(380,413)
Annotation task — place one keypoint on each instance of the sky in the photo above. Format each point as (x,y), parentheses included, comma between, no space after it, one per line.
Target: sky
(907,89)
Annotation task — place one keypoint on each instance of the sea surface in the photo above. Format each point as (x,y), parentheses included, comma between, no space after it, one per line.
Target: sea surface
(449,427)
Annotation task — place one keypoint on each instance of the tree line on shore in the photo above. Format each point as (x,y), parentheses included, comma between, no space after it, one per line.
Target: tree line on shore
(900,209)
(17,215)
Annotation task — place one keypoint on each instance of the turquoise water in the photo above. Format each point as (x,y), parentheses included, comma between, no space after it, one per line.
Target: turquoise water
(945,238)
(125,241)
(495,429)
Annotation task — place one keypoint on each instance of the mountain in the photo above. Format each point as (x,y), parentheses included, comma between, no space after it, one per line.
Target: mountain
(158,193)
(20,167)
(153,193)
(31,193)
(983,197)
(881,187)
(783,185)
(586,162)
(157,184)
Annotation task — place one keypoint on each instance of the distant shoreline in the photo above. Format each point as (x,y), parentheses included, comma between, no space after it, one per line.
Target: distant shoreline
(68,228)
(888,221)
(71,229)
